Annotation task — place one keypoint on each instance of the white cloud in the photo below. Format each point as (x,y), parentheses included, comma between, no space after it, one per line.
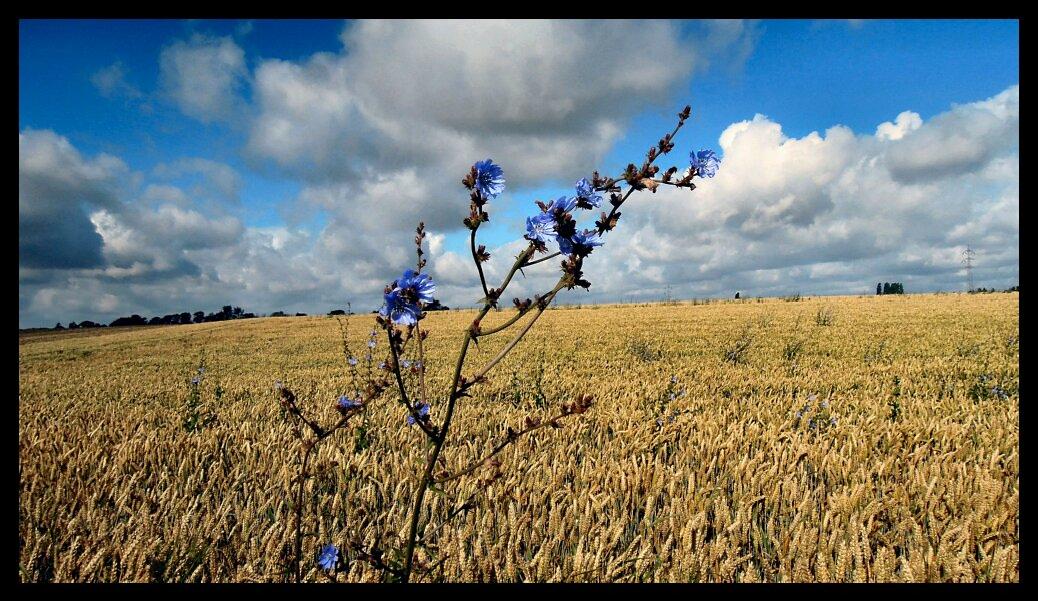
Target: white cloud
(963,139)
(376,143)
(905,122)
(204,76)
(111,82)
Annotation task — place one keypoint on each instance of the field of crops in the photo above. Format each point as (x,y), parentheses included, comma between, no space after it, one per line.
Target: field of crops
(830,439)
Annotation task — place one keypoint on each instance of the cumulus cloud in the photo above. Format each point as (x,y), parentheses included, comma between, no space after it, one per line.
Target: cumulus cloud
(204,76)
(57,187)
(963,139)
(216,177)
(111,82)
(375,134)
(828,213)
(548,98)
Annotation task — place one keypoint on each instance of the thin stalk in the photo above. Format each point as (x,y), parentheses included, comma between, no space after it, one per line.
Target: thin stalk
(299,514)
(503,326)
(500,447)
(543,259)
(548,298)
(437,446)
(441,438)
(403,392)
(479,264)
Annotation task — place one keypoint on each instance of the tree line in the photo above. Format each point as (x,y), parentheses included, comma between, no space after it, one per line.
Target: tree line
(226,313)
(890,288)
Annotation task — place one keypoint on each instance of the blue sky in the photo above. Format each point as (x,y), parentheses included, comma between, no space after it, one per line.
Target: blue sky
(806,76)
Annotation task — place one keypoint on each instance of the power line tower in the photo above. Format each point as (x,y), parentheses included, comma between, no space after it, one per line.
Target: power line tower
(967,260)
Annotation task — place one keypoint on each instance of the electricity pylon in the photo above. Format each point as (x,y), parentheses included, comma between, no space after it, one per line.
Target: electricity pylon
(967,260)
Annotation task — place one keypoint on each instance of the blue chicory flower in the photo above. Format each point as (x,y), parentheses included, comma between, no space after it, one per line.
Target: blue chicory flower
(564,203)
(397,309)
(418,285)
(490,178)
(346,402)
(195,380)
(581,243)
(705,162)
(352,360)
(423,412)
(540,228)
(587,197)
(329,557)
(405,363)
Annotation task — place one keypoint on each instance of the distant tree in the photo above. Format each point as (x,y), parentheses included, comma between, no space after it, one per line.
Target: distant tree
(248,315)
(278,314)
(336,312)
(886,287)
(433,306)
(199,316)
(73,325)
(736,296)
(89,324)
(59,326)
(154,321)
(236,311)
(185,317)
(300,314)
(879,288)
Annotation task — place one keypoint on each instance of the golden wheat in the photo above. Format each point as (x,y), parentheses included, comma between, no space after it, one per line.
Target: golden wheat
(728,485)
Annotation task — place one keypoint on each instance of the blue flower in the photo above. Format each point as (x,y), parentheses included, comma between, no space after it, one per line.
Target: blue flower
(329,557)
(423,412)
(580,244)
(399,310)
(201,370)
(405,363)
(371,343)
(540,228)
(564,203)
(673,379)
(586,195)
(352,360)
(346,402)
(382,365)
(705,163)
(402,302)
(195,380)
(490,178)
(418,284)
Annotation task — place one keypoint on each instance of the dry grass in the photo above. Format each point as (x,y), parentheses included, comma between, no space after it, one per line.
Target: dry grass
(733,486)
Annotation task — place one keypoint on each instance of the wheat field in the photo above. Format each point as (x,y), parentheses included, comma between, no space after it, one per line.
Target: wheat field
(834,439)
